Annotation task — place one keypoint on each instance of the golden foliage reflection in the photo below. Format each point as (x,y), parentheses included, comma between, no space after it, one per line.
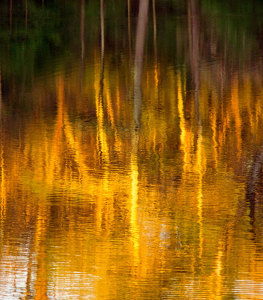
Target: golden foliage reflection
(98,201)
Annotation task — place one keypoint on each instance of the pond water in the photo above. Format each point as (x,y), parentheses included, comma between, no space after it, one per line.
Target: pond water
(131,149)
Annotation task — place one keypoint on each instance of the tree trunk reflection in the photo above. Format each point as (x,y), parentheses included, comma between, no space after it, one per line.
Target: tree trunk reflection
(139,52)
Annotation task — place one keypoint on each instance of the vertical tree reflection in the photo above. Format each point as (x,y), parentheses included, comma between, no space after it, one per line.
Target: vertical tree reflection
(138,69)
(129,26)
(102,38)
(82,38)
(139,53)
(11,15)
(155,42)
(194,32)
(26,13)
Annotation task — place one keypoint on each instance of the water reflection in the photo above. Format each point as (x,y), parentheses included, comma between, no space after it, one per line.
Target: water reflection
(133,180)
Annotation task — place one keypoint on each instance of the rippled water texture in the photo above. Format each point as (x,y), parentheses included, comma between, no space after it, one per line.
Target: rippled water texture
(131,149)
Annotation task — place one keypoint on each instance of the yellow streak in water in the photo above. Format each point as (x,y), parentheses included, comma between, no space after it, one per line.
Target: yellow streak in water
(156,75)
(182,124)
(213,118)
(134,200)
(101,135)
(110,112)
(219,274)
(102,144)
(237,118)
(3,188)
(41,283)
(109,104)
(53,161)
(172,84)
(200,170)
(216,279)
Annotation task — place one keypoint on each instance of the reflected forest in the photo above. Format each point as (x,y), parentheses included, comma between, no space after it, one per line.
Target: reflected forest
(131,149)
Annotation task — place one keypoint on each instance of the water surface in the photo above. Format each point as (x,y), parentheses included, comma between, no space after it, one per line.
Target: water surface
(131,150)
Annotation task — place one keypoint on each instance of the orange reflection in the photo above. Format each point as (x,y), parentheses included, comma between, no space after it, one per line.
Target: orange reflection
(106,206)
